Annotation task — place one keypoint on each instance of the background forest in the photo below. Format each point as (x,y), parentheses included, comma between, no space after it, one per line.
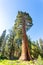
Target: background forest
(11,44)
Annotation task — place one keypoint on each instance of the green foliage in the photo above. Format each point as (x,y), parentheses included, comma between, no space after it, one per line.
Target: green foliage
(11,44)
(34,48)
(3,43)
(2,37)
(21,16)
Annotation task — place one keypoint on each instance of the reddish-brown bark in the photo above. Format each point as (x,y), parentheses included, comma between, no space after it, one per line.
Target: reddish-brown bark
(25,55)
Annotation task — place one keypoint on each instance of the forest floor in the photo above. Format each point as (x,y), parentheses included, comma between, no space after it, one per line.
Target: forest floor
(18,62)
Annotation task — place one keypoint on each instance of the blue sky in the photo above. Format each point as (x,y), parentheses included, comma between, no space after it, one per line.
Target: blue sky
(10,8)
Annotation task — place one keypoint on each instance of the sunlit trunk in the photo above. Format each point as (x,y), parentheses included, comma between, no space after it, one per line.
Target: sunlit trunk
(25,55)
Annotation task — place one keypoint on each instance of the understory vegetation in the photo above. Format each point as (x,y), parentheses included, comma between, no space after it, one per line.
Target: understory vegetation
(39,61)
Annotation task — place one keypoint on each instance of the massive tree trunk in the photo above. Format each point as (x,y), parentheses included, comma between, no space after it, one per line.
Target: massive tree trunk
(25,55)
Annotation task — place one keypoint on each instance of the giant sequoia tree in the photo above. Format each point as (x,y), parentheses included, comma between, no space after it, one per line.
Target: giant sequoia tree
(23,23)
